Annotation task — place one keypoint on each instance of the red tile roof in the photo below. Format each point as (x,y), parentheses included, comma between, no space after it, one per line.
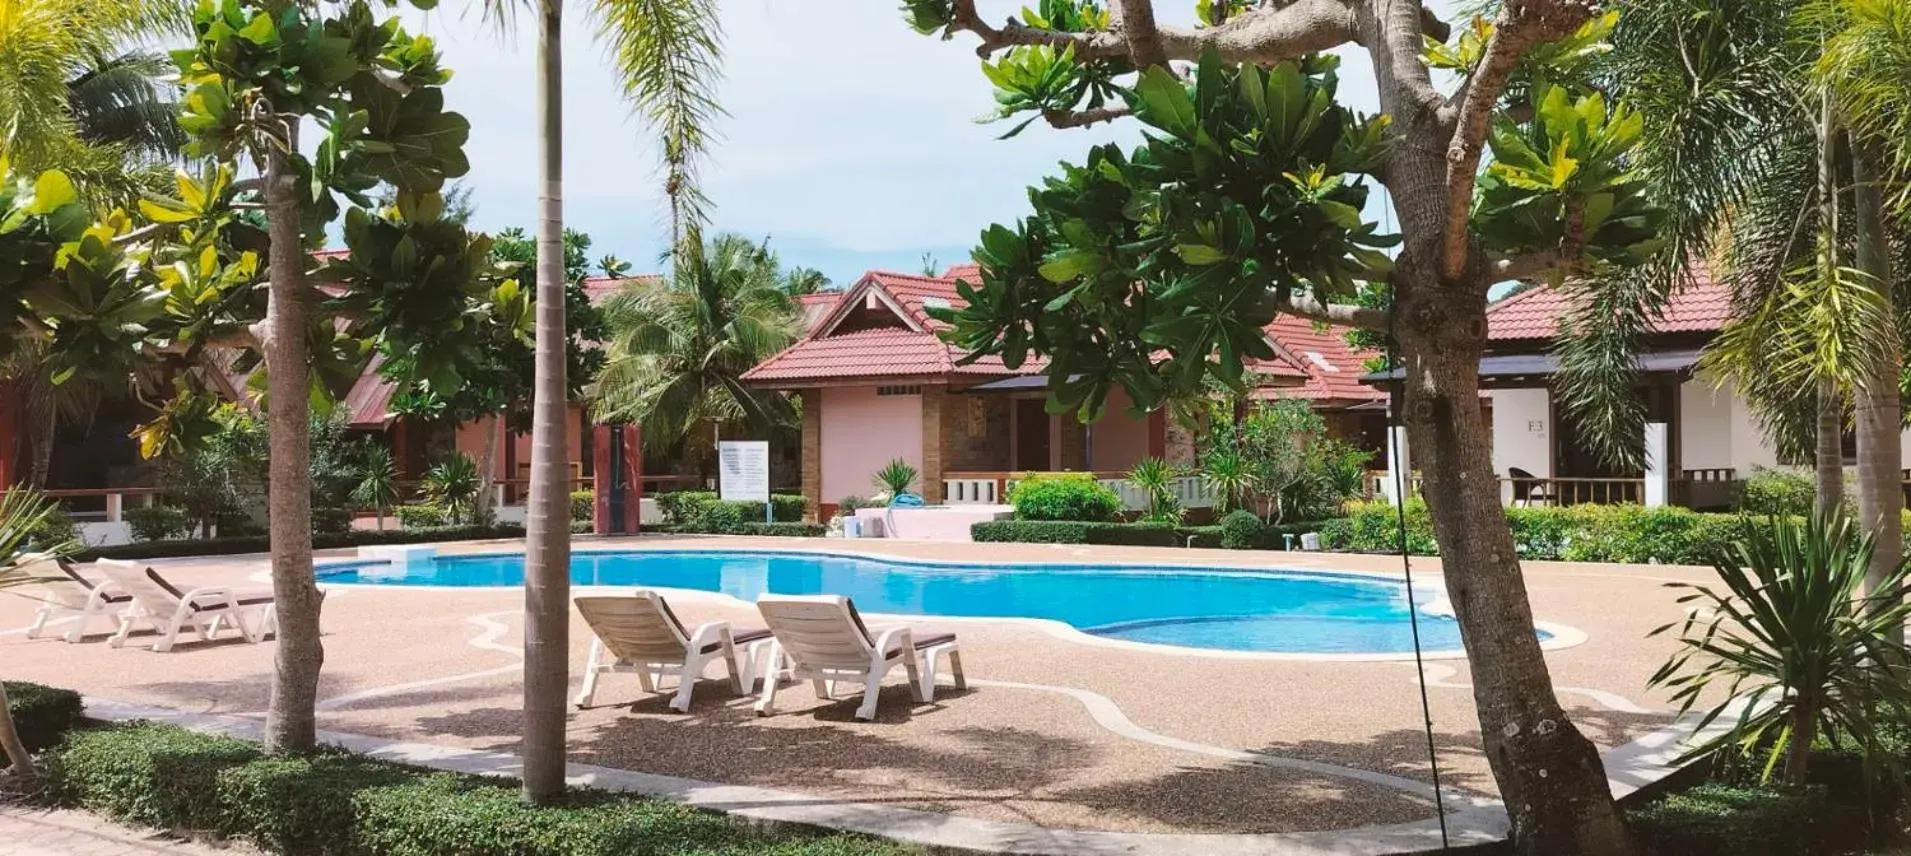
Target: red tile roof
(817,306)
(601,288)
(1700,306)
(969,271)
(368,403)
(1332,367)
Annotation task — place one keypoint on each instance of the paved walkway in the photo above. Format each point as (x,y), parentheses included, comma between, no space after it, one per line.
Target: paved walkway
(34,832)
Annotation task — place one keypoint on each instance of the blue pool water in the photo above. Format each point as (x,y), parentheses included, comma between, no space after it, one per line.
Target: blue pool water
(1230,610)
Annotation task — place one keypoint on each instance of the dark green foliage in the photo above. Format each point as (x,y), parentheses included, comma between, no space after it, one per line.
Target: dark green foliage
(1241,530)
(1577,533)
(701,511)
(337,804)
(55,528)
(1064,496)
(1077,532)
(321,541)
(159,522)
(583,504)
(422,516)
(1721,820)
(42,715)
(1788,493)
(331,521)
(784,528)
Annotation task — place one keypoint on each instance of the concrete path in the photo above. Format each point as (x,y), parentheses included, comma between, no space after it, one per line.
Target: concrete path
(35,832)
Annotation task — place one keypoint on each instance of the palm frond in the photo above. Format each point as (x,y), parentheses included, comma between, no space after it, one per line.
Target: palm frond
(668,57)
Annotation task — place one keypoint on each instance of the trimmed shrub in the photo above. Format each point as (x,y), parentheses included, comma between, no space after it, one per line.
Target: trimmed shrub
(57,527)
(583,504)
(1076,532)
(157,522)
(1372,527)
(325,541)
(1241,530)
(1577,533)
(337,804)
(42,715)
(1207,537)
(1064,496)
(1720,820)
(1784,492)
(422,516)
(784,528)
(693,511)
(331,521)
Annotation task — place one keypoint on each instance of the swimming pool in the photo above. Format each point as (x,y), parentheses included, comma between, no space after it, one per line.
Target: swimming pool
(1235,610)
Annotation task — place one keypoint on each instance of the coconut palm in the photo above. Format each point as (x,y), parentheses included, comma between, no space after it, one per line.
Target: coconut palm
(666,55)
(22,513)
(679,347)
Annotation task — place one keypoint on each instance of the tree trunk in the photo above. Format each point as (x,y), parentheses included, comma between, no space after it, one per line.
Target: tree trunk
(1798,751)
(290,719)
(1830,453)
(547,529)
(1880,412)
(15,752)
(45,421)
(1549,775)
(488,468)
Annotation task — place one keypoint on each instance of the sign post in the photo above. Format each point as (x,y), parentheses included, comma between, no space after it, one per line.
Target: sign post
(743,473)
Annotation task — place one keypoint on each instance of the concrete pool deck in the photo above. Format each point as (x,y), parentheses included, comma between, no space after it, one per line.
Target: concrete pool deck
(1055,733)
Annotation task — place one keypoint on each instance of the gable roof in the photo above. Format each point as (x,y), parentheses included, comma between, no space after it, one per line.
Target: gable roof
(1701,305)
(1333,367)
(828,354)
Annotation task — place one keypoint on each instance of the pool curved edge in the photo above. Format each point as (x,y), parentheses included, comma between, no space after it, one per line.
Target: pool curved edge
(1559,636)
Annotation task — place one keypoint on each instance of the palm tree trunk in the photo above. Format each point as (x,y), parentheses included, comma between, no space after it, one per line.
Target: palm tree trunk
(1830,454)
(16,752)
(547,529)
(488,467)
(291,725)
(1880,410)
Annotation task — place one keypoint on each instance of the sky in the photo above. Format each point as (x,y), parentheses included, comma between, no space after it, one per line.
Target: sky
(849,140)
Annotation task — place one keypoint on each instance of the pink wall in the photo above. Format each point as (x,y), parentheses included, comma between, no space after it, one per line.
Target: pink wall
(471,437)
(862,431)
(1119,439)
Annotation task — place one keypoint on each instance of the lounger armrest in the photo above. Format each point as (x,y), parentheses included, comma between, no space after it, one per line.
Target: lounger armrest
(893,638)
(709,632)
(219,595)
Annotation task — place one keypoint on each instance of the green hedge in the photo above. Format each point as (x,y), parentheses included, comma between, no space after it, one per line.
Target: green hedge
(422,515)
(1136,534)
(42,715)
(1064,496)
(1721,820)
(321,541)
(1577,533)
(701,511)
(338,804)
(583,505)
(784,528)
(157,522)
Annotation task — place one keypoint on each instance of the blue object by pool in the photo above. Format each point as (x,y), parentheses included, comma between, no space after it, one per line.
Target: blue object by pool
(1229,610)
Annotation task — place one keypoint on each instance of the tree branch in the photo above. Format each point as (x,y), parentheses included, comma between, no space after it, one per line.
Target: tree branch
(1565,257)
(1263,34)
(1364,317)
(1136,21)
(1520,25)
(1084,118)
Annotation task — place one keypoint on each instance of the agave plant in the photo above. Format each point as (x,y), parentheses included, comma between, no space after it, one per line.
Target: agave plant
(453,485)
(1792,645)
(23,516)
(1155,478)
(896,477)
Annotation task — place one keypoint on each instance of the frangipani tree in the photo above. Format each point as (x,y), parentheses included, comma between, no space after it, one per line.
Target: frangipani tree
(1156,267)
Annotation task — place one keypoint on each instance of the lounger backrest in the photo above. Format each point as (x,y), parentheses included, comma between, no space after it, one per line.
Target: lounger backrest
(819,631)
(56,583)
(141,583)
(639,628)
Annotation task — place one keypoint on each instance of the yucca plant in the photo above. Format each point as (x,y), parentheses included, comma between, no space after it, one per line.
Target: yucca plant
(1791,645)
(453,485)
(1155,478)
(896,477)
(377,485)
(1226,471)
(23,515)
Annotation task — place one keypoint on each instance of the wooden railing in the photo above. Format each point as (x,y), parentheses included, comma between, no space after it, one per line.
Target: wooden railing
(100,504)
(1573,491)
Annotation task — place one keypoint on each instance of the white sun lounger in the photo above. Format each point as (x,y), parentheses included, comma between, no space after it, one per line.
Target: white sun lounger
(639,633)
(67,593)
(206,610)
(823,639)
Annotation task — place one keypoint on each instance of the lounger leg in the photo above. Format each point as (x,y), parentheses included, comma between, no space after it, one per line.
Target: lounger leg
(922,689)
(955,669)
(872,690)
(824,689)
(126,619)
(687,683)
(730,660)
(592,668)
(772,668)
(644,680)
(39,620)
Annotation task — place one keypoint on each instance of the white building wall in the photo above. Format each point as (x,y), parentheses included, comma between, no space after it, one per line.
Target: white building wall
(1706,436)
(1522,431)
(1750,447)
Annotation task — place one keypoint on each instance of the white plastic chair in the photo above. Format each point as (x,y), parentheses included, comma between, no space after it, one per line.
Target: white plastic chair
(206,610)
(639,633)
(822,638)
(65,593)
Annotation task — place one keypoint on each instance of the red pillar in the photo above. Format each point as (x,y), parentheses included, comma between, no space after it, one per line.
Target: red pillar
(1158,434)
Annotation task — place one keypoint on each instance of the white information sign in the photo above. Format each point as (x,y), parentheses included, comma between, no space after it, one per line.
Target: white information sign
(743,470)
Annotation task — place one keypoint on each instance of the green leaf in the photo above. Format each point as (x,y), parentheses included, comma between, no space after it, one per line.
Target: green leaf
(1199,254)
(52,190)
(1165,100)
(1070,266)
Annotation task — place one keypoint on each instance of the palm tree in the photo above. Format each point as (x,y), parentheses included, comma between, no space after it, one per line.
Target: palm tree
(679,347)
(666,54)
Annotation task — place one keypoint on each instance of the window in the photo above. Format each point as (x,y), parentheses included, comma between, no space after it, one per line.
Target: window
(898,390)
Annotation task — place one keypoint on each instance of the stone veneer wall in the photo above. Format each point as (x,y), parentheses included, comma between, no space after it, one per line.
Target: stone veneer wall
(978,433)
(812,400)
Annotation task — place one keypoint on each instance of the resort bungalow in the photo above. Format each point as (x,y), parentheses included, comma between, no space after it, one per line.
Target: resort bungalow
(876,384)
(1700,438)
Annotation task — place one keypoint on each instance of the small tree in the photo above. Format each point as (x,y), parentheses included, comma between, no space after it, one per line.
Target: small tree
(378,481)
